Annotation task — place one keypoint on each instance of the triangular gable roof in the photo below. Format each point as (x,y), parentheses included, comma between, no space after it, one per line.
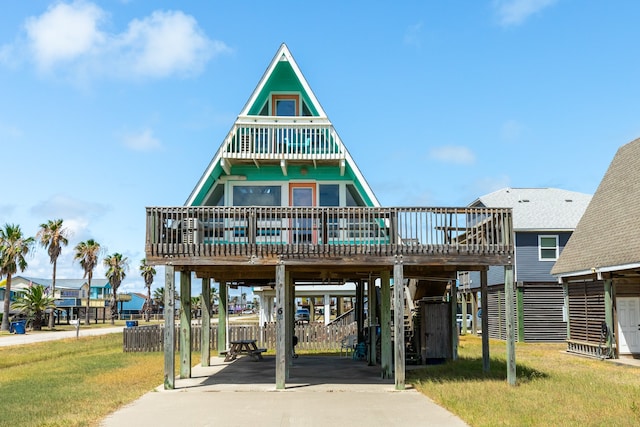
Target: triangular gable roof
(607,237)
(283,56)
(214,170)
(537,209)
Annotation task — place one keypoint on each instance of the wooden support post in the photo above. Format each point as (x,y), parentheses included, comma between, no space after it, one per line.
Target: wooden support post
(281,327)
(608,309)
(484,327)
(169,328)
(463,298)
(360,310)
(474,313)
(398,319)
(223,306)
(289,320)
(185,324)
(205,337)
(372,320)
(386,349)
(511,331)
(453,307)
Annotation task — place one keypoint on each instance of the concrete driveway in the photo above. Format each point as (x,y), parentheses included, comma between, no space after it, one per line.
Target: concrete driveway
(321,391)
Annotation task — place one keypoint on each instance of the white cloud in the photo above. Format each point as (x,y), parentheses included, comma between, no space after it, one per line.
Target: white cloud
(515,12)
(65,32)
(142,141)
(167,43)
(69,38)
(452,154)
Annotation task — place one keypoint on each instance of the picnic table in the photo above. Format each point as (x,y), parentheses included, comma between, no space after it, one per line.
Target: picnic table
(247,347)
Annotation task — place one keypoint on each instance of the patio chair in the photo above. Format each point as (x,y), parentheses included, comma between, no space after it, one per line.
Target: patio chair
(348,344)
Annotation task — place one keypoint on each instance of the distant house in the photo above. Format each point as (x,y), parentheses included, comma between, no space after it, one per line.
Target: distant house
(132,307)
(71,296)
(600,266)
(543,221)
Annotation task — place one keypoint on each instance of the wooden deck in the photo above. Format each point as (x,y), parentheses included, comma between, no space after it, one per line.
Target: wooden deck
(342,238)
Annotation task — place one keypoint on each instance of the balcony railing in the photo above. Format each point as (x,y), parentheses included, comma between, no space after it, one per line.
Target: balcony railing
(283,138)
(263,232)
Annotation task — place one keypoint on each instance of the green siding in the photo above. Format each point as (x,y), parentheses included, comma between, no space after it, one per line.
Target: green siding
(211,180)
(282,79)
(294,172)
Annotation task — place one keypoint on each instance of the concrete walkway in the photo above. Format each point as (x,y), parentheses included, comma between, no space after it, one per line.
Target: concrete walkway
(321,391)
(41,336)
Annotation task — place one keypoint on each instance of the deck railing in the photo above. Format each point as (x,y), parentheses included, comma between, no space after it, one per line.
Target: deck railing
(278,138)
(317,231)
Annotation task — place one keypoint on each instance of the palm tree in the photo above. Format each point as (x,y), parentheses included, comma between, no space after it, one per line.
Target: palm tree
(34,302)
(147,272)
(243,300)
(13,249)
(214,297)
(195,306)
(117,266)
(158,297)
(87,254)
(53,236)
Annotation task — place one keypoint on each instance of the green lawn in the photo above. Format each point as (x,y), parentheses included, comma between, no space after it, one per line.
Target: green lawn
(72,382)
(553,388)
(78,382)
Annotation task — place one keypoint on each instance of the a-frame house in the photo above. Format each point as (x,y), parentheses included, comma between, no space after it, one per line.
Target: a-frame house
(283,203)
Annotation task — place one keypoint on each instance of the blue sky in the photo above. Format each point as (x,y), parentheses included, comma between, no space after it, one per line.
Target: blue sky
(107,107)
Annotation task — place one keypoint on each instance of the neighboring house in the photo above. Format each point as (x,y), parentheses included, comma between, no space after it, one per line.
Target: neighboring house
(15,289)
(600,266)
(543,221)
(283,204)
(131,307)
(71,295)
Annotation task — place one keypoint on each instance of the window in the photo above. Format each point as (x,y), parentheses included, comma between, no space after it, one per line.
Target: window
(329,194)
(548,248)
(257,195)
(353,197)
(284,105)
(216,197)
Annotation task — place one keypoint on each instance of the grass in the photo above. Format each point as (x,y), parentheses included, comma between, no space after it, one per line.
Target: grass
(73,382)
(553,388)
(79,382)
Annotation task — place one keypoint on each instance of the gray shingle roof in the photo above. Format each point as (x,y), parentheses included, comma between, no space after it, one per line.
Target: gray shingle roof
(539,208)
(608,235)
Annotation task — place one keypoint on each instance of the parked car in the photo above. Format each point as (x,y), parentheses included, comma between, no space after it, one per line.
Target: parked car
(459,321)
(302,315)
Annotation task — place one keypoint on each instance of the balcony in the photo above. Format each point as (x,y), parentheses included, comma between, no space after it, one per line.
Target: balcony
(267,139)
(210,236)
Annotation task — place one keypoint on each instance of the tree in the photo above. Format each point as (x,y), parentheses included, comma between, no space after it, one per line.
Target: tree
(14,247)
(34,302)
(158,297)
(147,272)
(243,301)
(53,236)
(196,306)
(117,266)
(87,254)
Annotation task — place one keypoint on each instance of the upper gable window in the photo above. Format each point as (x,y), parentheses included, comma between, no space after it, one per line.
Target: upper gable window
(548,248)
(285,105)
